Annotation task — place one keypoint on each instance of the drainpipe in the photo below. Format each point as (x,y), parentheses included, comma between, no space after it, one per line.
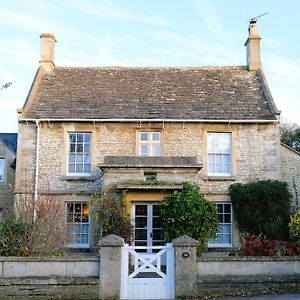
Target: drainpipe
(36,168)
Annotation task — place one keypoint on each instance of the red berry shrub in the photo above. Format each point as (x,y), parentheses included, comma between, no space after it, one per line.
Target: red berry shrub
(254,246)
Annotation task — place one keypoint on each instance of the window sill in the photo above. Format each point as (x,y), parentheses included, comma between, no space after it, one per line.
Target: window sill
(219,178)
(78,178)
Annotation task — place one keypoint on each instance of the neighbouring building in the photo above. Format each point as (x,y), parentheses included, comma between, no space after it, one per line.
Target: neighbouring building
(82,129)
(290,172)
(8,149)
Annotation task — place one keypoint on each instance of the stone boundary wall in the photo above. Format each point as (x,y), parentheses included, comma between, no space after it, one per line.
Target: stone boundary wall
(73,277)
(248,266)
(20,267)
(248,275)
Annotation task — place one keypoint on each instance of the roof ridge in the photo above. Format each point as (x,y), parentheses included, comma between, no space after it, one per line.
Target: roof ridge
(151,68)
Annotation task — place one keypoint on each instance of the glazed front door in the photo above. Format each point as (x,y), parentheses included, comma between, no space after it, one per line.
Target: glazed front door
(148,230)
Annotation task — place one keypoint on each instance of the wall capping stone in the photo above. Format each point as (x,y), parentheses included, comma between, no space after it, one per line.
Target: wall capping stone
(111,240)
(185,241)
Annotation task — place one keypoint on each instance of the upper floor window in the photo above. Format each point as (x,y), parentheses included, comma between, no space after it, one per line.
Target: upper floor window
(1,169)
(219,154)
(79,154)
(224,235)
(150,143)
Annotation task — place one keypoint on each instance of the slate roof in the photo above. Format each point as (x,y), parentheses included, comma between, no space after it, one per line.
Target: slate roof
(10,139)
(214,93)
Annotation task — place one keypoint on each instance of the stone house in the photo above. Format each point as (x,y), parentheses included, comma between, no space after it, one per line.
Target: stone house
(8,150)
(82,129)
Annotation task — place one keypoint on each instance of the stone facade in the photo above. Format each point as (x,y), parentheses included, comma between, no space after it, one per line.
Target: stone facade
(290,172)
(255,156)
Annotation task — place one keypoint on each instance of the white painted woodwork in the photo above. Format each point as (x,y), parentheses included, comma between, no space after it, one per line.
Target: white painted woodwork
(144,275)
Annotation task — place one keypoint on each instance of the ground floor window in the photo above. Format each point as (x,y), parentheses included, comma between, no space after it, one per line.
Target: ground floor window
(224,235)
(77,224)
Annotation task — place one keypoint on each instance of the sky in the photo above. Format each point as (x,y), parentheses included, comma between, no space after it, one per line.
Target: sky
(148,33)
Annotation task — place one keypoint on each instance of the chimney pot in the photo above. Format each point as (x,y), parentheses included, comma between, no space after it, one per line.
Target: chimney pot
(48,41)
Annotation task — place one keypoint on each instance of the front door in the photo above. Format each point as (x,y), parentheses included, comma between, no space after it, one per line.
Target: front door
(148,230)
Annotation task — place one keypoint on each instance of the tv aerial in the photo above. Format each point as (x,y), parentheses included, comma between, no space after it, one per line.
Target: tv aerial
(254,20)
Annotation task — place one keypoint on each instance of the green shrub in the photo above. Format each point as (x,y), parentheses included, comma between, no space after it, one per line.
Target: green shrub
(13,238)
(188,212)
(262,208)
(294,226)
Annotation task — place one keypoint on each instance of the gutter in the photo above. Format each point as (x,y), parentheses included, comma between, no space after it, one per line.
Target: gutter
(148,120)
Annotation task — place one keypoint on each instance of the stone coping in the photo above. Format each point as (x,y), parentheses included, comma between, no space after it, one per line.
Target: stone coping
(72,258)
(173,162)
(248,258)
(149,187)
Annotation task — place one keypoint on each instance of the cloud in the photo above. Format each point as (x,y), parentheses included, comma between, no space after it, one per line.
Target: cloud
(109,10)
(209,16)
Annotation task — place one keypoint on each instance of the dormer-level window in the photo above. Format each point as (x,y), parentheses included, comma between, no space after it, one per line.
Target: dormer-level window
(79,154)
(219,154)
(1,169)
(150,143)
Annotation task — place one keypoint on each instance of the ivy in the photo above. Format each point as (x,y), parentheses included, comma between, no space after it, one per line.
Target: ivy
(262,208)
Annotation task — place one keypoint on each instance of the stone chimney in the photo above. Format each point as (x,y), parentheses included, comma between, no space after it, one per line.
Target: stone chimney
(253,47)
(47,51)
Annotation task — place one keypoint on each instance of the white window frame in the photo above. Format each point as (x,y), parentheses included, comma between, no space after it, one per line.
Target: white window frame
(83,154)
(212,244)
(2,169)
(219,153)
(71,243)
(150,143)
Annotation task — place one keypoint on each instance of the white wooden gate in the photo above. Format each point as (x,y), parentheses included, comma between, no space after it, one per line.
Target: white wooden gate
(147,275)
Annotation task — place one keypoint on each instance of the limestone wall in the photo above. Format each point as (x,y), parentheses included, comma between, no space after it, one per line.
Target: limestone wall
(290,172)
(255,153)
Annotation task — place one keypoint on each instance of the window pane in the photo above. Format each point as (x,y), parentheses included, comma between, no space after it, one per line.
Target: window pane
(144,150)
(87,168)
(156,150)
(71,168)
(140,222)
(72,148)
(227,208)
(87,137)
(87,159)
(144,136)
(227,218)
(79,148)
(79,137)
(156,136)
(79,158)
(141,234)
(72,137)
(79,168)
(87,148)
(220,208)
(141,210)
